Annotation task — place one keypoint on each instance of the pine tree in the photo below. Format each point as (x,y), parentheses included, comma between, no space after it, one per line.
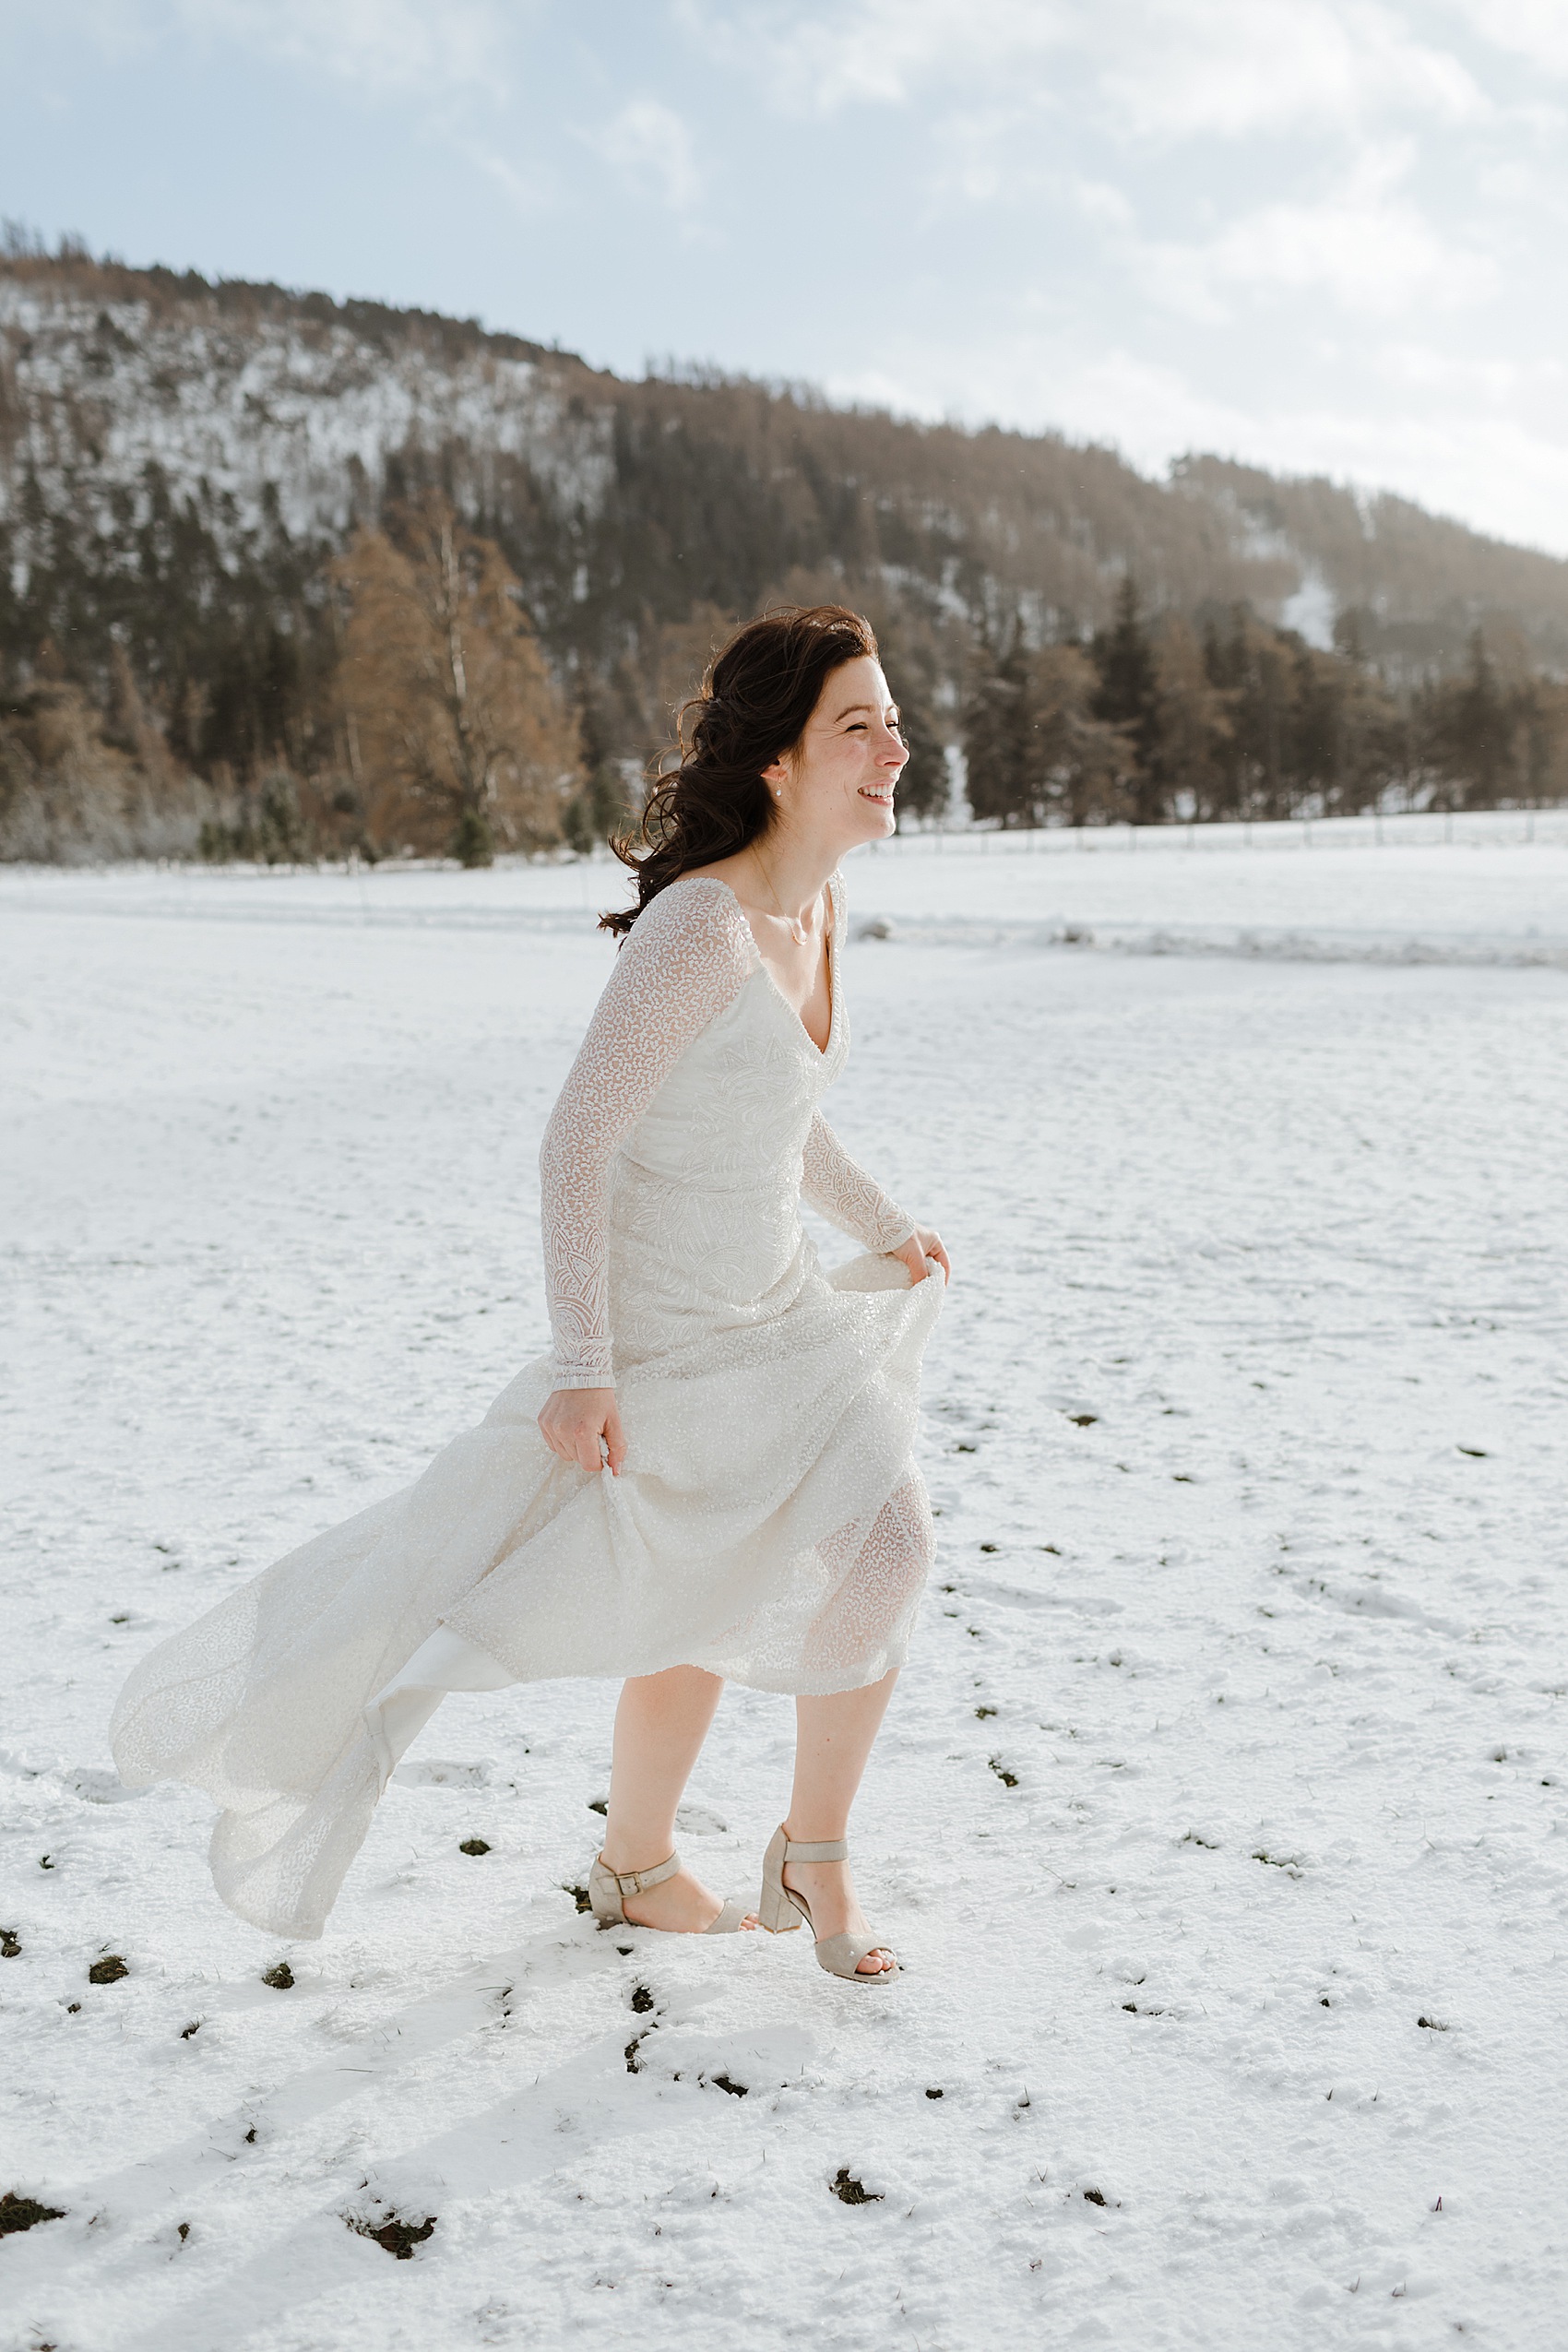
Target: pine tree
(600,805)
(925,787)
(1079,769)
(1254,668)
(996,725)
(1129,698)
(1472,735)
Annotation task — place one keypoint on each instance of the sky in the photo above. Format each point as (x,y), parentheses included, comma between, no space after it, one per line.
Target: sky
(1326,236)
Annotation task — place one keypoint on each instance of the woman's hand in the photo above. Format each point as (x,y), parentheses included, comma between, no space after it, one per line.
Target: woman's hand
(574,1421)
(922,1244)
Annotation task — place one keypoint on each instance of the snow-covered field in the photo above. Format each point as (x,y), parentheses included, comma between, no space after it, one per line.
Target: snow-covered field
(1219,1820)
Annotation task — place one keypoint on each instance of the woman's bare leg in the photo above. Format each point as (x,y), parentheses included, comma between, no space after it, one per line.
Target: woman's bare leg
(833,1738)
(661,1723)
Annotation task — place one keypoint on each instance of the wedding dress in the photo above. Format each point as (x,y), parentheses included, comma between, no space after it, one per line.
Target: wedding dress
(768,1522)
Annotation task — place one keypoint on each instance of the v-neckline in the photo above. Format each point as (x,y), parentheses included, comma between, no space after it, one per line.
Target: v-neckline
(829,938)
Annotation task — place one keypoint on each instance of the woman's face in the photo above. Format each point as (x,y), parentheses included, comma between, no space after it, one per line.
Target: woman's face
(838,783)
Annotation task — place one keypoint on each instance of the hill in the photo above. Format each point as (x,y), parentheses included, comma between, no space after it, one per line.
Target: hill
(182,463)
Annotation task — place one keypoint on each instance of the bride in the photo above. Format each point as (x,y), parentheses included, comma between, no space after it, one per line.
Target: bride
(709,1479)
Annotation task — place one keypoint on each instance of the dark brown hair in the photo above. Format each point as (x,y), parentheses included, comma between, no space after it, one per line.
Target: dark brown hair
(758,693)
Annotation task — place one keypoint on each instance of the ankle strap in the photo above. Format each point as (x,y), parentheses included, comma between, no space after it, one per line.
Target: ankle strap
(638,1881)
(821,1849)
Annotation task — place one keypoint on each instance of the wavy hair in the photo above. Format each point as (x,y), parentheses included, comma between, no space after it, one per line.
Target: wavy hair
(758,693)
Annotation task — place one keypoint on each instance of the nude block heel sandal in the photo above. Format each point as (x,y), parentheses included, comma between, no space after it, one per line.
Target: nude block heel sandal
(607,1891)
(779,1909)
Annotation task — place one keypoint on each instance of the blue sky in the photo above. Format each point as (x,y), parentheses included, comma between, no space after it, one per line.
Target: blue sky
(1327,235)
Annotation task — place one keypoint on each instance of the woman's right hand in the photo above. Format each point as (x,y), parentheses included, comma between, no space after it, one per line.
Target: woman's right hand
(922,1244)
(574,1419)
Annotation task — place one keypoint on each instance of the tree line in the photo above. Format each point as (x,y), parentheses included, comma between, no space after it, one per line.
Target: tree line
(410,709)
(1219,715)
(402,701)
(479,648)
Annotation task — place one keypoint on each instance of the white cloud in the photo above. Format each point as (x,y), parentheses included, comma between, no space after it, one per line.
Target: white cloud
(530,189)
(1101,200)
(876,51)
(1318,233)
(1232,68)
(1471,377)
(651,145)
(1359,245)
(1535,30)
(1164,69)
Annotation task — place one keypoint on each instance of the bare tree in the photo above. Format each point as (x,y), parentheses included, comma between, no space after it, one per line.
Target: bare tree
(458,737)
(1192,721)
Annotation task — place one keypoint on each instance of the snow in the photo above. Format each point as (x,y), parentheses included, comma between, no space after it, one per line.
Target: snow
(1313,607)
(242,405)
(1230,1752)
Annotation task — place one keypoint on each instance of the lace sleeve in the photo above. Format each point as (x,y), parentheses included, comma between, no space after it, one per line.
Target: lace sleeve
(846,1195)
(686,958)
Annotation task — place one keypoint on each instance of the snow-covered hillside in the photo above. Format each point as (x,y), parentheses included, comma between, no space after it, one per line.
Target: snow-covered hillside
(293,404)
(1219,1820)
(266,402)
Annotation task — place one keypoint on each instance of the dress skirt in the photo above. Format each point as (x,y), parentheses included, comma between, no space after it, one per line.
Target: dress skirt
(768,1524)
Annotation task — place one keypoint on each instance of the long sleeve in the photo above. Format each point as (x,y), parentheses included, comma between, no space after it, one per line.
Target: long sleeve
(846,1195)
(687,958)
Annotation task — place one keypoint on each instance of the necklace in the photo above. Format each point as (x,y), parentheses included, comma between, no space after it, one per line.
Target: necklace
(797,931)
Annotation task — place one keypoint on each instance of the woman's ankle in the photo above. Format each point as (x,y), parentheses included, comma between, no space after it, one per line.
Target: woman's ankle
(626,1855)
(814,1835)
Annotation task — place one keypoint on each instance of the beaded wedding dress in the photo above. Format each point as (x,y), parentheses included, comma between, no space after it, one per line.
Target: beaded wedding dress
(768,1522)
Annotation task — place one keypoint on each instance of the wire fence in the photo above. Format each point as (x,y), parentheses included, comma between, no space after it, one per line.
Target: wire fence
(1417,828)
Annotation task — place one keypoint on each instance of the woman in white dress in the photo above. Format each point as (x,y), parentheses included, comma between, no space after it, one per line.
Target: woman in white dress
(710,1477)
